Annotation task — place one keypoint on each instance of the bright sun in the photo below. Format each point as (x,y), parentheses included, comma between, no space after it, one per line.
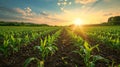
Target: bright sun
(78,21)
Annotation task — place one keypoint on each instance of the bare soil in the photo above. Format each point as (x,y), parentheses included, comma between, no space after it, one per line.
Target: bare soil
(64,57)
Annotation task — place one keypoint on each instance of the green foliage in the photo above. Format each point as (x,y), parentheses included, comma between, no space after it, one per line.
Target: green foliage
(114,20)
(39,63)
(15,37)
(106,35)
(5,48)
(45,48)
(85,52)
(119,65)
(2,23)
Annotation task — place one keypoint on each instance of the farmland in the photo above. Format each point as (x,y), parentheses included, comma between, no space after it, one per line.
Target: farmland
(94,46)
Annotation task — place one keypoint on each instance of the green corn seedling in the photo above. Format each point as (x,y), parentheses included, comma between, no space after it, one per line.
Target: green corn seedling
(26,40)
(5,48)
(45,48)
(39,63)
(85,52)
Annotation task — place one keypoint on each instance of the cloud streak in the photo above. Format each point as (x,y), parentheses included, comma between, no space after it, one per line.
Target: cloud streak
(15,13)
(44,13)
(85,1)
(20,11)
(28,11)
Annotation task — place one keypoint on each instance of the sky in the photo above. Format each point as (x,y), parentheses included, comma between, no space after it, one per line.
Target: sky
(58,12)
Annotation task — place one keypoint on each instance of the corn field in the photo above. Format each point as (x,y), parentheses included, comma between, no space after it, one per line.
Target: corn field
(96,46)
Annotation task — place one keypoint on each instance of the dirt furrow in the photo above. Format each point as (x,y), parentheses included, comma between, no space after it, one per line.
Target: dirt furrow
(64,57)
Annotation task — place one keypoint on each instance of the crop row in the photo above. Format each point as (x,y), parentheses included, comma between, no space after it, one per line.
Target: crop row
(11,39)
(85,50)
(46,48)
(109,36)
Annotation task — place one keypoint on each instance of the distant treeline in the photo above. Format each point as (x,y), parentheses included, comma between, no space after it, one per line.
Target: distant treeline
(112,21)
(3,23)
(115,20)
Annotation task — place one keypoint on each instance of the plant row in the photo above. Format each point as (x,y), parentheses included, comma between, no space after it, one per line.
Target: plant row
(85,50)
(46,48)
(106,35)
(12,41)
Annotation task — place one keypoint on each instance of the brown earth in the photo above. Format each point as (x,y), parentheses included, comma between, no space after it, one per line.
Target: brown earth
(64,57)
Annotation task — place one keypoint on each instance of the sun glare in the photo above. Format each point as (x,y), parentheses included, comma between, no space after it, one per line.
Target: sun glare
(78,22)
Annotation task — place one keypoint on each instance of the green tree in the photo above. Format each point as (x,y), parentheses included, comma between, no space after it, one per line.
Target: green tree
(114,20)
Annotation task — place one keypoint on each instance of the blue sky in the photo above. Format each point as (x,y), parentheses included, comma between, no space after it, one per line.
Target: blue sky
(58,12)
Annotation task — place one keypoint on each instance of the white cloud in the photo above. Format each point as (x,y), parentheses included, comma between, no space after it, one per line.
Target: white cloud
(20,11)
(107,0)
(85,1)
(25,12)
(44,13)
(28,11)
(63,4)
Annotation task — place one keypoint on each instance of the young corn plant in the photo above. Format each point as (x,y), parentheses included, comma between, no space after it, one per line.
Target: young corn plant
(76,39)
(45,48)
(115,43)
(26,39)
(34,36)
(39,63)
(5,48)
(15,43)
(85,52)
